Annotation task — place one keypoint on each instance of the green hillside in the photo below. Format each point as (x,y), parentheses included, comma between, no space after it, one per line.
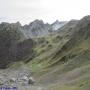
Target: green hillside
(63,62)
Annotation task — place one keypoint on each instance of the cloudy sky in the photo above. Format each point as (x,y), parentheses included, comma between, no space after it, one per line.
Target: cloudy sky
(26,11)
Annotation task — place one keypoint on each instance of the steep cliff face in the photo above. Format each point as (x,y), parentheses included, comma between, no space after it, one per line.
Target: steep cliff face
(13,47)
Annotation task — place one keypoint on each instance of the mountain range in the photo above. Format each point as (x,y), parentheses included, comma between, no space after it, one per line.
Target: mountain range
(57,55)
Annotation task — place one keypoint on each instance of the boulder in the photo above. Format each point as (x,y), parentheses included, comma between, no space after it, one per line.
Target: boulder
(31,80)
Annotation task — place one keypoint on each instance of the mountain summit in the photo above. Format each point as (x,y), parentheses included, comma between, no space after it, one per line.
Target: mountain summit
(56,25)
(36,28)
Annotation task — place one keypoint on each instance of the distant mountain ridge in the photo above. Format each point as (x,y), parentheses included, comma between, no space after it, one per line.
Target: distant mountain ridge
(36,28)
(57,24)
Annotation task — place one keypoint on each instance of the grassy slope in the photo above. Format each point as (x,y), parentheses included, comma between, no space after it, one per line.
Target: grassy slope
(75,73)
(68,70)
(45,51)
(72,71)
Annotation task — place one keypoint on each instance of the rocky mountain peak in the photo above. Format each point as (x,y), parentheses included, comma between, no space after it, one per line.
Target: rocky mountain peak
(57,24)
(36,28)
(37,22)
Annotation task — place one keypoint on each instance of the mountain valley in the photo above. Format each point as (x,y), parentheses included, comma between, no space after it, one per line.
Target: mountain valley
(56,55)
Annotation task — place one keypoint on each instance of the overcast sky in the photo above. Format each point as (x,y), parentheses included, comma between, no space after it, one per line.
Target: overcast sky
(26,11)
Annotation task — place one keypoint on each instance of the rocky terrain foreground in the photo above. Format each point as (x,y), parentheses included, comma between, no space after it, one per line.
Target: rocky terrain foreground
(20,79)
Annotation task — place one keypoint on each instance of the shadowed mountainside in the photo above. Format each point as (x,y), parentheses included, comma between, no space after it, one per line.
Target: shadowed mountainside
(13,47)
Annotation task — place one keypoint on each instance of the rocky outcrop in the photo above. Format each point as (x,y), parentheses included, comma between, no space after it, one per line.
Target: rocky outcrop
(56,25)
(36,28)
(13,47)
